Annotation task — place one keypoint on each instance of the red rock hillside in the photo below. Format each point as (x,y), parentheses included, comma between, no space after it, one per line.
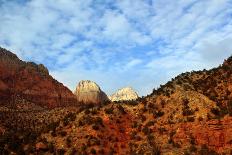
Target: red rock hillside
(189,115)
(26,82)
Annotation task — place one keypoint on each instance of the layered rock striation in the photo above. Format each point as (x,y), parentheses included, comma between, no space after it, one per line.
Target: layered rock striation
(124,94)
(22,81)
(89,92)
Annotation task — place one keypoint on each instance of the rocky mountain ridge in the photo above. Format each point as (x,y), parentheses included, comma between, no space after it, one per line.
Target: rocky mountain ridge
(89,92)
(124,94)
(30,83)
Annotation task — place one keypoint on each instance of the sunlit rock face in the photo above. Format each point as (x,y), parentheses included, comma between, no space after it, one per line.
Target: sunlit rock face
(31,82)
(124,94)
(89,92)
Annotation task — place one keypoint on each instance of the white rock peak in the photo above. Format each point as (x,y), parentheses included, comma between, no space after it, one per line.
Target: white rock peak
(89,92)
(124,94)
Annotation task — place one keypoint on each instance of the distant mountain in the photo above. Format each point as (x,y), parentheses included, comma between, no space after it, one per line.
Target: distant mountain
(124,94)
(89,92)
(26,83)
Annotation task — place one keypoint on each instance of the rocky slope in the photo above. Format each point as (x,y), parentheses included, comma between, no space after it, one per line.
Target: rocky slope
(124,94)
(89,92)
(26,82)
(191,114)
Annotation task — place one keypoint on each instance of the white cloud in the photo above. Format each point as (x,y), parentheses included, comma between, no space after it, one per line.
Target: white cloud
(117,43)
(132,63)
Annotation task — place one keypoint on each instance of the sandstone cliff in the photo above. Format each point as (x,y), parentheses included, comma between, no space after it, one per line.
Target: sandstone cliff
(89,92)
(124,94)
(27,82)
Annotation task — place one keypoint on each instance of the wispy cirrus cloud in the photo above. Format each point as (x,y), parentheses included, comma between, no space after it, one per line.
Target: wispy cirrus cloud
(141,43)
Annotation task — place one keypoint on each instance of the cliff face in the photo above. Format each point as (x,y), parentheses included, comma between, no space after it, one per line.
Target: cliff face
(216,134)
(124,94)
(28,82)
(89,92)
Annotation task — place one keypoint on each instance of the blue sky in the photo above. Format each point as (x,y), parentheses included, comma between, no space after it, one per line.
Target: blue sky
(117,43)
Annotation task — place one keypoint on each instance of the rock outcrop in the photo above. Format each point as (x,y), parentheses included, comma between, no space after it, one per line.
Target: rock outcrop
(124,94)
(31,83)
(89,92)
(216,134)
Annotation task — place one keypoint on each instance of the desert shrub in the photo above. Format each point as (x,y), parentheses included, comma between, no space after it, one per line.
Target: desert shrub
(109,110)
(14,143)
(52,126)
(172,133)
(143,118)
(186,111)
(176,145)
(192,148)
(150,123)
(95,127)
(93,151)
(87,111)
(93,141)
(133,134)
(150,138)
(132,103)
(163,103)
(63,133)
(51,147)
(74,152)
(162,130)
(29,137)
(186,152)
(83,147)
(53,133)
(80,123)
(68,141)
(229,105)
(94,111)
(134,124)
(121,109)
(185,102)
(101,151)
(122,130)
(112,151)
(69,117)
(86,120)
(158,114)
(200,118)
(192,140)
(118,121)
(205,150)
(99,121)
(42,69)
(191,119)
(61,151)
(215,111)
(151,106)
(213,96)
(144,109)
(156,150)
(146,130)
